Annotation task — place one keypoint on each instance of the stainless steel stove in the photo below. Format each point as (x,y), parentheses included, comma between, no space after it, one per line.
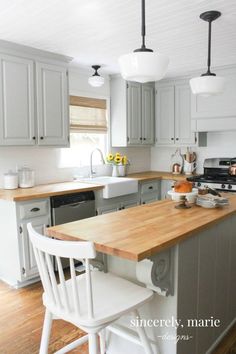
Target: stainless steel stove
(216,175)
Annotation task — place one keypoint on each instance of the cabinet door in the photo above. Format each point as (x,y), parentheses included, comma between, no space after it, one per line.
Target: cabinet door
(134,113)
(108,209)
(17,114)
(148,114)
(52,105)
(165,115)
(149,198)
(129,204)
(28,260)
(183,133)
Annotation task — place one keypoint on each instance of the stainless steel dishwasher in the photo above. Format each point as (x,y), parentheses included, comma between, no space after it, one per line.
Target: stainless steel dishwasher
(72,207)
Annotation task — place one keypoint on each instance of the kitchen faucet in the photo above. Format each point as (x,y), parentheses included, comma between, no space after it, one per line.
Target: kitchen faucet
(92,173)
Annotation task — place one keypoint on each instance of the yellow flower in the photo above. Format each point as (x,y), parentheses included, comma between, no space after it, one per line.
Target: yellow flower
(118,154)
(117,159)
(110,157)
(124,160)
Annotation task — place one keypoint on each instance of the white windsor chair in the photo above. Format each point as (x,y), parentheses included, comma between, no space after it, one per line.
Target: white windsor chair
(91,301)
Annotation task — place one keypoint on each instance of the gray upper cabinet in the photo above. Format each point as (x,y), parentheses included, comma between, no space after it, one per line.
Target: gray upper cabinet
(165,115)
(52,104)
(17,115)
(183,133)
(33,97)
(132,113)
(148,113)
(173,114)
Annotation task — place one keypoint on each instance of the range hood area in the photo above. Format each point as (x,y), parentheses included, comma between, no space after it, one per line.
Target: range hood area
(216,113)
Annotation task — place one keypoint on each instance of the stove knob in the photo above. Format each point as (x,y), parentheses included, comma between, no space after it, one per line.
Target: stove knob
(223,186)
(199,184)
(230,186)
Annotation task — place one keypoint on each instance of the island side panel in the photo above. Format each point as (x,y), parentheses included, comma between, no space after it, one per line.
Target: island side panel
(206,284)
(187,289)
(232,271)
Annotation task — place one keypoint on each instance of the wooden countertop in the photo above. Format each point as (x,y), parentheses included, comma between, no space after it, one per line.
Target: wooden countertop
(47,190)
(150,175)
(142,231)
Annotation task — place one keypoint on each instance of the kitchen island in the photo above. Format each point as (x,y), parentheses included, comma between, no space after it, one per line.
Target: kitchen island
(200,245)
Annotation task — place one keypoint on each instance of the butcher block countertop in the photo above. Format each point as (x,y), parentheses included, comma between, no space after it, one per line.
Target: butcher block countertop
(47,190)
(142,231)
(150,175)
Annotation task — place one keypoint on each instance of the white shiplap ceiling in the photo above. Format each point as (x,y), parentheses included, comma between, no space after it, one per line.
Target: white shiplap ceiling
(99,31)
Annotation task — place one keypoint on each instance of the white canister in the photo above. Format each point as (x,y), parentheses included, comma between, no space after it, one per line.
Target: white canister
(10,180)
(26,178)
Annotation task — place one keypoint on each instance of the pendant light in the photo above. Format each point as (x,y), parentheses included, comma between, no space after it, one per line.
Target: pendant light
(208,84)
(143,65)
(96,80)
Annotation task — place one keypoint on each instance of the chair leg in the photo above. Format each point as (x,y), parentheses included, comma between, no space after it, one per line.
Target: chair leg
(142,335)
(47,325)
(102,336)
(93,343)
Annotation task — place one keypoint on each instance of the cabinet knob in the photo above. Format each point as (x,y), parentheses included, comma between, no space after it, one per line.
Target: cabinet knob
(172,138)
(33,137)
(177,138)
(141,139)
(41,137)
(144,138)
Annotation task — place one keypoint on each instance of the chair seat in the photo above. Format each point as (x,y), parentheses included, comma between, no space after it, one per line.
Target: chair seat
(112,296)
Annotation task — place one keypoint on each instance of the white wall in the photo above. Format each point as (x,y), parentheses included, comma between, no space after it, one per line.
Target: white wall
(220,144)
(46,161)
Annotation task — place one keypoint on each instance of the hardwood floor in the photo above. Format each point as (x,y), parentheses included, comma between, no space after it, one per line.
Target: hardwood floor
(21,320)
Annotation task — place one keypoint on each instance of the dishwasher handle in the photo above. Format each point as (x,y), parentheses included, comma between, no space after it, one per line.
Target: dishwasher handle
(73,205)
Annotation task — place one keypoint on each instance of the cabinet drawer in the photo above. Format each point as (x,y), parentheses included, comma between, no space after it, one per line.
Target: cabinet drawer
(148,187)
(148,198)
(35,209)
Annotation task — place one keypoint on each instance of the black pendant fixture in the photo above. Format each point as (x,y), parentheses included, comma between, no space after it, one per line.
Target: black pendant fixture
(208,84)
(96,80)
(143,64)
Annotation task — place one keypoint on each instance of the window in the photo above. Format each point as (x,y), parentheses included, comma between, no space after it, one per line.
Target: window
(88,130)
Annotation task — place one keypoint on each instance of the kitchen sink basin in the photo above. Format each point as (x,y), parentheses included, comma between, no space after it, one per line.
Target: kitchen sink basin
(114,186)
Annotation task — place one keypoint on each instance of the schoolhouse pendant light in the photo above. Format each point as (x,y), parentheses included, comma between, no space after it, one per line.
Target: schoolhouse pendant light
(208,84)
(96,80)
(143,65)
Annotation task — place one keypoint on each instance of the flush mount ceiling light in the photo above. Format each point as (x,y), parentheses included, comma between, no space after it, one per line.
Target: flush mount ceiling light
(96,80)
(208,84)
(143,65)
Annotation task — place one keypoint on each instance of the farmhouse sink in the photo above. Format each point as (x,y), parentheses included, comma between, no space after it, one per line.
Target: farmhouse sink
(114,186)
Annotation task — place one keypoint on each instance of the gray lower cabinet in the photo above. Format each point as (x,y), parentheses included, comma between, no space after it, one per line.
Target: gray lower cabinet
(17,262)
(166,185)
(132,113)
(29,266)
(149,191)
(33,100)
(38,213)
(111,206)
